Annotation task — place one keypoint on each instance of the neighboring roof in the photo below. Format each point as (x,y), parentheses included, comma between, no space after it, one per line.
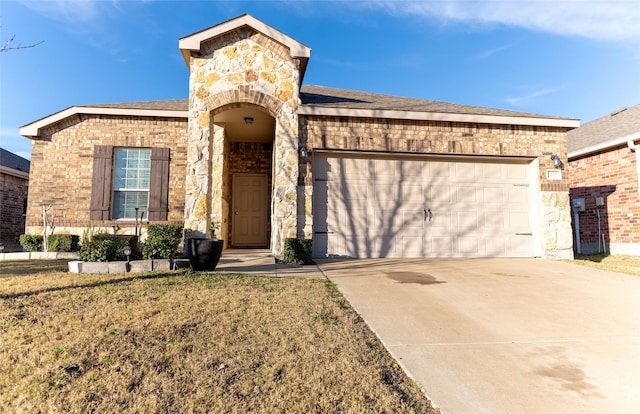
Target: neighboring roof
(13,164)
(322,100)
(608,131)
(193,42)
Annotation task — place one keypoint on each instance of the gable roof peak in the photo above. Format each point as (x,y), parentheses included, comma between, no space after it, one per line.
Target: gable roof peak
(194,41)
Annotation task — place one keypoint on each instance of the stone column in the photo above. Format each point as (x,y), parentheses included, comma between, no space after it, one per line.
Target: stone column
(284,208)
(557,234)
(198,179)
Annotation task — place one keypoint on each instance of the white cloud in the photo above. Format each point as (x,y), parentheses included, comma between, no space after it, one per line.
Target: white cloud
(70,11)
(613,20)
(488,53)
(520,100)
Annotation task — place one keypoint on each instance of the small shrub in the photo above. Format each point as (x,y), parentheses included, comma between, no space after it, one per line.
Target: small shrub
(63,243)
(173,231)
(98,251)
(297,251)
(31,242)
(119,241)
(162,241)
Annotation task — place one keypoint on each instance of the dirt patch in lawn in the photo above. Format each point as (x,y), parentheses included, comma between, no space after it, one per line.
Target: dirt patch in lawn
(190,342)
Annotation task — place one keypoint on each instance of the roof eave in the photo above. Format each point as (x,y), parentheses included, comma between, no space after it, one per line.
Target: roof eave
(439,116)
(14,172)
(32,130)
(603,146)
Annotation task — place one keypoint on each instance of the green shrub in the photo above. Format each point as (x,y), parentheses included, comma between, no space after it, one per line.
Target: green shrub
(98,251)
(162,241)
(297,251)
(172,231)
(31,242)
(63,243)
(119,241)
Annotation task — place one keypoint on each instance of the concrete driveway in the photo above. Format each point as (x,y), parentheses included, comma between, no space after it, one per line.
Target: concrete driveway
(504,335)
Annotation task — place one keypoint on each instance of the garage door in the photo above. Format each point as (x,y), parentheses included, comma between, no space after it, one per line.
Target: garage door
(408,207)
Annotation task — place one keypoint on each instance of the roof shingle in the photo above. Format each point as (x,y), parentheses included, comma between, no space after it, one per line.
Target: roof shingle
(616,125)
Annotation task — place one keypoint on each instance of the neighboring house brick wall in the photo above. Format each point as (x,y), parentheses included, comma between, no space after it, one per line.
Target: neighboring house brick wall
(610,174)
(13,193)
(62,165)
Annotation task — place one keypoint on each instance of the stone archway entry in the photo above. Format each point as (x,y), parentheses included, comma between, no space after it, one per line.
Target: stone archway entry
(250,210)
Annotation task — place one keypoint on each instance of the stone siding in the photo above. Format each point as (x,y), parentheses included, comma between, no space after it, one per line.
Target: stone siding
(612,175)
(62,166)
(13,194)
(242,68)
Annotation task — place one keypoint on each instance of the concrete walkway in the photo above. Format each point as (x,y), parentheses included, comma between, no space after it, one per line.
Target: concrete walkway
(261,261)
(504,335)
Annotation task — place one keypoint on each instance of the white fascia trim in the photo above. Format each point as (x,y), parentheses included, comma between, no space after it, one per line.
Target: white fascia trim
(193,42)
(438,116)
(32,130)
(603,146)
(15,173)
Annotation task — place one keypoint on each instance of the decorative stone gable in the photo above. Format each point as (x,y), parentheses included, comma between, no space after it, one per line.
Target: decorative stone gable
(238,69)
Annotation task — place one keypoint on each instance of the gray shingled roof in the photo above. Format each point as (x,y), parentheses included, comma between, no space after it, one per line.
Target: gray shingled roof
(13,161)
(618,124)
(167,105)
(322,96)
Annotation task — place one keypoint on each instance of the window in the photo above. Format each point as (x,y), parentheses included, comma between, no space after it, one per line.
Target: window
(126,178)
(131,176)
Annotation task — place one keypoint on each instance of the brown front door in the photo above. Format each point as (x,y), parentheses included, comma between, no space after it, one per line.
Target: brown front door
(250,210)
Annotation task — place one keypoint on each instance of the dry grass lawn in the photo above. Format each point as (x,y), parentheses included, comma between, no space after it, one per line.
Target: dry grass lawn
(614,263)
(188,342)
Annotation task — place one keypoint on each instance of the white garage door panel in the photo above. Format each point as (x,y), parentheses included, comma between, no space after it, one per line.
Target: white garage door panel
(420,208)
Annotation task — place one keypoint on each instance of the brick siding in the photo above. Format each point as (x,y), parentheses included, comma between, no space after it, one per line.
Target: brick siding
(61,167)
(13,193)
(370,134)
(612,175)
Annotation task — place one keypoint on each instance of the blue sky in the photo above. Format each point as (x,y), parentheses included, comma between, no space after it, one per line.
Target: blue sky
(572,58)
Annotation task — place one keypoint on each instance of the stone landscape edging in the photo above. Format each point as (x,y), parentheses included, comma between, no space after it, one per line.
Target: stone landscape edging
(134,266)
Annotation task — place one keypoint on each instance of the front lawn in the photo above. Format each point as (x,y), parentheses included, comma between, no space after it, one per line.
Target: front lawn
(614,263)
(189,342)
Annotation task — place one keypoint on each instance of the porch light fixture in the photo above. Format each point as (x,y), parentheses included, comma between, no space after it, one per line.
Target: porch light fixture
(557,162)
(304,152)
(248,120)
(1,248)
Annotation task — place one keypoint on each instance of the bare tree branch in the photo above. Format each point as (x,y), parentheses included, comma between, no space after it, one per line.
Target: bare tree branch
(7,45)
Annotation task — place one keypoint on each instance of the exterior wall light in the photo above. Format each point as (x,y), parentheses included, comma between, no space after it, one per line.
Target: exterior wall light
(557,162)
(248,120)
(304,152)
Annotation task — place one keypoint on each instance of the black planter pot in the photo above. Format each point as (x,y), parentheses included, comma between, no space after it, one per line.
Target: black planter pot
(204,254)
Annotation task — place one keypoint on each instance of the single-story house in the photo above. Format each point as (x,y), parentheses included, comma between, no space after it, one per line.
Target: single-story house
(604,170)
(14,185)
(263,158)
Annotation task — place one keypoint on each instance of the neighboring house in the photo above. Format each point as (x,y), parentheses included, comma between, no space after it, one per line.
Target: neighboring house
(14,184)
(604,170)
(265,158)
